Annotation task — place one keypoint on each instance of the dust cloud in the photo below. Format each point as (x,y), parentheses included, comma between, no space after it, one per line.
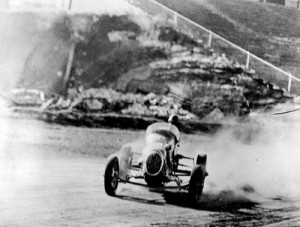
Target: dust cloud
(259,159)
(19,34)
(253,160)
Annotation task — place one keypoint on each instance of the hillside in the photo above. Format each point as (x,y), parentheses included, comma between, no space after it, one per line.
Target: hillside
(132,66)
(270,32)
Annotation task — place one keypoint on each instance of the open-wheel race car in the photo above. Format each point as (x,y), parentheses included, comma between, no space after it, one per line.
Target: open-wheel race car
(159,165)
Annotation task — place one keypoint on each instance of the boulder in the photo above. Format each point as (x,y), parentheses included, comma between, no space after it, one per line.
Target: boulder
(215,116)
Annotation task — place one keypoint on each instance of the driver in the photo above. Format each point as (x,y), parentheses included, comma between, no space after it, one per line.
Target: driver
(174,120)
(171,140)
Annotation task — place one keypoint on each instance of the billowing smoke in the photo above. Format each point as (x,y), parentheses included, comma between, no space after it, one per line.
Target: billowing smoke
(20,31)
(260,157)
(252,160)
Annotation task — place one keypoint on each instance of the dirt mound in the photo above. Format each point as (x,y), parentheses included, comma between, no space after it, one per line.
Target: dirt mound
(96,59)
(138,55)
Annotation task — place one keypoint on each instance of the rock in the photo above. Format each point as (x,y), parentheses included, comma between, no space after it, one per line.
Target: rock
(47,103)
(65,104)
(92,104)
(214,116)
(180,90)
(277,93)
(139,73)
(146,86)
(177,48)
(264,102)
(56,104)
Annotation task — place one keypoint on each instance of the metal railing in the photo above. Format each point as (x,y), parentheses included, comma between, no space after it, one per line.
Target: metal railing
(263,69)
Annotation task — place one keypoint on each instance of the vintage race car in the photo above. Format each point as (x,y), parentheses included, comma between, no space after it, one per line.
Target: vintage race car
(159,165)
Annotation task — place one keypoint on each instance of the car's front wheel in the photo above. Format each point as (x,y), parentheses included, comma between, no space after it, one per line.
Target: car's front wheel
(111,176)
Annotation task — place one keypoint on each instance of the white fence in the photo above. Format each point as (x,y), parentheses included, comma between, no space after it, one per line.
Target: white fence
(264,69)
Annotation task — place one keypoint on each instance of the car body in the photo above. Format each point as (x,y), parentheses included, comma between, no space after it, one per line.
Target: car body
(159,164)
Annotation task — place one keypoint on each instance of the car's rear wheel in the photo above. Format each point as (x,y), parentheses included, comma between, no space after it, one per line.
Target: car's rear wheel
(111,176)
(196,184)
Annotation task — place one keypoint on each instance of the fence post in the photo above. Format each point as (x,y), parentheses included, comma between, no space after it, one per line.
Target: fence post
(176,19)
(209,39)
(69,66)
(248,60)
(290,84)
(70,4)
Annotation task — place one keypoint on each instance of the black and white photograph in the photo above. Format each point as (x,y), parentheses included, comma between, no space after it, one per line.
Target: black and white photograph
(150,113)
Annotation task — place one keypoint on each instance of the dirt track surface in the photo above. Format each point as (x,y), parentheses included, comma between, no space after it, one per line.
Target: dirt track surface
(52,175)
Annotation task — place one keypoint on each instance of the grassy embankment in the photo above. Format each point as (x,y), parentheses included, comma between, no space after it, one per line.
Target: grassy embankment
(121,55)
(268,31)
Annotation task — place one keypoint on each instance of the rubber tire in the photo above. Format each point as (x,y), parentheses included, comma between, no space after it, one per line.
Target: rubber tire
(196,184)
(110,180)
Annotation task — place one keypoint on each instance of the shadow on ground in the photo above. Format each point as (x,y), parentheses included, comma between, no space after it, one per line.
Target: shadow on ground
(223,201)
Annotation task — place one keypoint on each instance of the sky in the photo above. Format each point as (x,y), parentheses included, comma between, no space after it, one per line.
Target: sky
(96,6)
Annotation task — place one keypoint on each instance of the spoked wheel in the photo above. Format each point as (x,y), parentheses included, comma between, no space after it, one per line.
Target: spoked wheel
(196,184)
(111,176)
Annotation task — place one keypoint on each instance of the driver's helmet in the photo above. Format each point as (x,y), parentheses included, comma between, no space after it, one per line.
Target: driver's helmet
(174,119)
